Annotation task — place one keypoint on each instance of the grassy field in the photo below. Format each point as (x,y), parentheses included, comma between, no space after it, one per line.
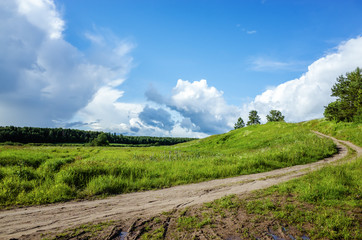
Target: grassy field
(38,175)
(325,204)
(342,130)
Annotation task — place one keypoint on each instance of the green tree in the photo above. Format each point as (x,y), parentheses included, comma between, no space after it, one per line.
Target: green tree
(348,106)
(333,110)
(253,118)
(275,116)
(239,124)
(101,140)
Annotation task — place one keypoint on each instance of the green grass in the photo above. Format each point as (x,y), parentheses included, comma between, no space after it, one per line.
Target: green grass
(334,194)
(341,130)
(45,174)
(325,204)
(332,186)
(155,235)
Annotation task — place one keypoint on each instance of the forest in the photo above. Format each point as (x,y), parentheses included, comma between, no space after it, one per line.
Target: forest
(60,135)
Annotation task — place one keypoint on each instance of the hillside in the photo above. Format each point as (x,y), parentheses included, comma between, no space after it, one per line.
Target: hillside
(324,204)
(37,175)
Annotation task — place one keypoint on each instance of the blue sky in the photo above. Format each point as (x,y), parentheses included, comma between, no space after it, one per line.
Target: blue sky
(172,68)
(221,41)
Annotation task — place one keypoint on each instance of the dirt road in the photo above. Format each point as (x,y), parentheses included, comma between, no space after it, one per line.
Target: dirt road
(30,222)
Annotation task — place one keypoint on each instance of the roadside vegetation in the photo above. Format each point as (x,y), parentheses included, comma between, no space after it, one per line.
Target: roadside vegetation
(349,131)
(38,175)
(325,204)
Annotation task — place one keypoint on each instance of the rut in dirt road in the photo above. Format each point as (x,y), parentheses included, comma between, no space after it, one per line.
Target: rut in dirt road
(23,222)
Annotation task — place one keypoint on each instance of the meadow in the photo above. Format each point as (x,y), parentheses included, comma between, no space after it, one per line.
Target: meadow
(324,204)
(46,174)
(349,131)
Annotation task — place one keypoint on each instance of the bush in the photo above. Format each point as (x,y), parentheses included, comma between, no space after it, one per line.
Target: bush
(101,140)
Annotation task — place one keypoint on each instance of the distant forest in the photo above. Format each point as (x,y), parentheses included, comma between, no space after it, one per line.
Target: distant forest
(60,135)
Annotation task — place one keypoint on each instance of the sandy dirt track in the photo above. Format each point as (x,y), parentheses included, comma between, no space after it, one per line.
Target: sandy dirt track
(30,222)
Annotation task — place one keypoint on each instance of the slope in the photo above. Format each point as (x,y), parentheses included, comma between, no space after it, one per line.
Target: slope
(125,209)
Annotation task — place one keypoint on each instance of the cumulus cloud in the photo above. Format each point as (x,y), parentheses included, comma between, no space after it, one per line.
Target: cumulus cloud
(46,81)
(304,98)
(43,15)
(104,112)
(157,117)
(44,78)
(202,107)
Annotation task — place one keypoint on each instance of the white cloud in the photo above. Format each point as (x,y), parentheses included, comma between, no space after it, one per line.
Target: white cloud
(157,117)
(247,31)
(45,81)
(262,64)
(251,31)
(42,14)
(265,64)
(104,112)
(202,108)
(44,78)
(304,98)
(195,109)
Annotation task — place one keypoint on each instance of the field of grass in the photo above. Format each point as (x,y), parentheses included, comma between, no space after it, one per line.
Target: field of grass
(342,130)
(325,204)
(45,174)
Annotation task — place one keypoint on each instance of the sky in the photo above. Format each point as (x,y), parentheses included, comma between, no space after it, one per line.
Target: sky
(180,68)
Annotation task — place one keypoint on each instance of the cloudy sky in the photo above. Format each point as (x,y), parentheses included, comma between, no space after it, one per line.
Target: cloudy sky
(171,68)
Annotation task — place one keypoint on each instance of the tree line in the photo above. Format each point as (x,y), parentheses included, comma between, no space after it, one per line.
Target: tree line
(60,135)
(254,119)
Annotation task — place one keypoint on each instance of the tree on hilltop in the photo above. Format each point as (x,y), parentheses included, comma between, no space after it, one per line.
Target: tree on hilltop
(239,124)
(253,118)
(348,106)
(275,116)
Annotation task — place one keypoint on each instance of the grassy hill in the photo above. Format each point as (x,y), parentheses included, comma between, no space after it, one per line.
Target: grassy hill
(37,174)
(324,204)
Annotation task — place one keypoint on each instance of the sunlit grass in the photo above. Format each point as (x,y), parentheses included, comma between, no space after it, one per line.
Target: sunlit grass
(38,175)
(342,130)
(331,186)
(326,203)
